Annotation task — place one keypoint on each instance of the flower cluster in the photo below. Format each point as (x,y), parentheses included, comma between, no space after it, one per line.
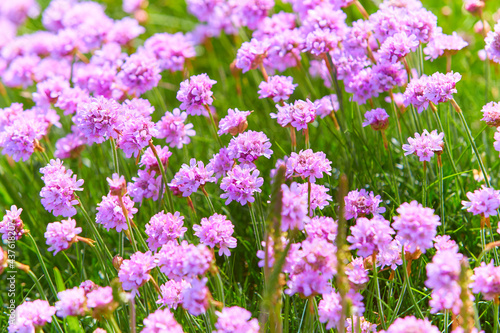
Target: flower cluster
(11,226)
(425,145)
(163,228)
(195,94)
(216,230)
(297,115)
(361,203)
(191,177)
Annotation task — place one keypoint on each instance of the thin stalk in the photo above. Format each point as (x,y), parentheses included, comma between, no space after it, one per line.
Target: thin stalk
(495,315)
(111,318)
(424,185)
(441,193)
(255,227)
(170,203)
(129,225)
(408,284)
(379,298)
(133,324)
(116,166)
(212,209)
(446,319)
(214,126)
(44,267)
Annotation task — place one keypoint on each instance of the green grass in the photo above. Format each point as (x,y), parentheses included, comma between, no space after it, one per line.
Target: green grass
(354,151)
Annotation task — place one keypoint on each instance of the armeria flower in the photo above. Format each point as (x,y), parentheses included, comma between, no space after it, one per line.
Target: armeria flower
(216,230)
(486,280)
(117,184)
(444,270)
(124,31)
(101,300)
(415,93)
(174,130)
(163,228)
(361,203)
(195,299)
(377,118)
(445,243)
(220,163)
(251,13)
(357,274)
(370,236)
(390,255)
(364,325)
(235,319)
(134,272)
(70,146)
(362,85)
(389,75)
(60,235)
(416,226)
(473,6)
(491,114)
(248,146)
(136,133)
(88,286)
(496,144)
(446,299)
(298,114)
(307,164)
(146,185)
(411,324)
(322,227)
(58,194)
(326,105)
(234,123)
(190,177)
(139,73)
(240,183)
(294,207)
(425,145)
(319,195)
(194,93)
(278,87)
(484,202)
(20,71)
(72,302)
(171,50)
(251,54)
(330,309)
(492,41)
(148,158)
(20,138)
(184,260)
(161,321)
(48,91)
(98,119)
(110,213)
(32,316)
(442,44)
(397,47)
(171,293)
(11,226)
(442,87)
(320,41)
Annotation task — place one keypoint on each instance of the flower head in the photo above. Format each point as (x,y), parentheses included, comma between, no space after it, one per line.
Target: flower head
(60,235)
(195,299)
(361,203)
(294,207)
(235,319)
(491,114)
(134,272)
(191,177)
(161,321)
(251,54)
(71,302)
(486,280)
(307,164)
(31,316)
(139,73)
(377,118)
(216,230)
(278,87)
(163,228)
(170,50)
(298,114)
(173,128)
(412,324)
(240,184)
(397,47)
(220,163)
(110,213)
(248,146)
(11,226)
(425,145)
(195,93)
(370,236)
(484,201)
(171,293)
(416,226)
(234,123)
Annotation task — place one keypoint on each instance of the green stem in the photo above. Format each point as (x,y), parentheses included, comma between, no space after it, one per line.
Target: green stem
(129,225)
(408,284)
(212,209)
(441,193)
(255,227)
(495,316)
(44,267)
(379,298)
(214,126)
(114,324)
(170,203)
(424,191)
(116,166)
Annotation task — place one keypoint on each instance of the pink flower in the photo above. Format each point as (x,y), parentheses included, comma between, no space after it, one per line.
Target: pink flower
(248,146)
(195,299)
(31,316)
(294,207)
(110,214)
(486,280)
(308,164)
(136,132)
(251,54)
(184,260)
(425,145)
(217,230)
(397,47)
(297,115)
(235,319)
(279,88)
(195,93)
(377,118)
(411,324)
(361,203)
(234,123)
(240,184)
(60,235)
(134,272)
(71,302)
(491,114)
(11,226)
(174,130)
(171,293)
(370,236)
(161,321)
(163,228)
(484,202)
(171,50)
(191,177)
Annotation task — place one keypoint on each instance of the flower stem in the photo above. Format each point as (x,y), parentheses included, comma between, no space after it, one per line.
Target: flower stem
(441,193)
(130,231)
(115,156)
(379,298)
(495,315)
(44,267)
(424,182)
(255,227)
(214,126)
(408,284)
(170,203)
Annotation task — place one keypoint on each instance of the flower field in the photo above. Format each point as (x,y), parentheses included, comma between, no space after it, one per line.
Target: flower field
(250,166)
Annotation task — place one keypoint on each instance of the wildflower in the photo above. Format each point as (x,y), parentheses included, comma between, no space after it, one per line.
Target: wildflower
(322,227)
(411,324)
(390,255)
(442,87)
(415,93)
(98,119)
(220,163)
(443,270)
(278,87)
(250,13)
(240,183)
(31,316)
(294,207)
(195,299)
(308,164)
(190,177)
(320,41)
(389,75)
(184,260)
(161,321)
(70,146)
(492,41)
(319,195)
(217,230)
(60,235)
(71,302)
(361,203)
(297,115)
(117,185)
(491,114)
(20,71)
(48,91)
(248,146)
(11,225)
(397,47)
(146,185)
(330,309)
(234,123)
(370,236)
(171,50)
(235,319)
(425,145)
(326,105)
(362,85)
(88,286)
(195,93)
(416,226)
(58,194)
(20,138)
(377,118)
(110,213)
(174,130)
(486,280)
(139,73)
(251,54)
(163,228)
(496,144)
(442,44)
(148,159)
(101,301)
(124,31)
(171,293)
(357,274)
(484,202)
(134,272)
(136,133)
(364,325)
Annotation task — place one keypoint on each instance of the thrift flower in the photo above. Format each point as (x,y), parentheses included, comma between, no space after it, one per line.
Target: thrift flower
(191,177)
(491,114)
(251,54)
(194,93)
(297,115)
(11,226)
(60,235)
(163,228)
(234,123)
(161,321)
(174,130)
(216,230)
(248,146)
(377,118)
(361,203)
(240,184)
(31,316)
(411,324)
(294,207)
(71,302)
(134,272)
(370,236)
(278,87)
(195,299)
(425,145)
(308,164)
(484,202)
(110,213)
(171,293)
(486,280)
(235,319)
(220,163)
